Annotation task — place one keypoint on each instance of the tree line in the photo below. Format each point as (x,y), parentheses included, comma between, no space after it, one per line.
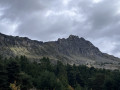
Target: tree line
(21,74)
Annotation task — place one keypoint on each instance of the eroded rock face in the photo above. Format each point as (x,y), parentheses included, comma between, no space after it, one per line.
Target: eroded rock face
(75,45)
(72,50)
(17,41)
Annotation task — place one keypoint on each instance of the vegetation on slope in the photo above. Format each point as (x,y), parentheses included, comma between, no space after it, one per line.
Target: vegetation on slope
(21,74)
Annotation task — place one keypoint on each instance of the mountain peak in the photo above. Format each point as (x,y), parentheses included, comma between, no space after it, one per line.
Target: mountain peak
(73,37)
(72,50)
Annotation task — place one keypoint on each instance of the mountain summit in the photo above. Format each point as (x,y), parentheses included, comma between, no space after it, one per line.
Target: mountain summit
(72,50)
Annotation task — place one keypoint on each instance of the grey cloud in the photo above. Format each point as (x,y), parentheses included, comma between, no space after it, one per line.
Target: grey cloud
(50,19)
(18,9)
(21,9)
(45,28)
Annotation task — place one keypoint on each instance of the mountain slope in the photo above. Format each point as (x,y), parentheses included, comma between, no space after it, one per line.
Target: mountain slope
(73,50)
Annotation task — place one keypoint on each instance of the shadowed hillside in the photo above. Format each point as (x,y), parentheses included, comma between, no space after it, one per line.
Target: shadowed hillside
(72,50)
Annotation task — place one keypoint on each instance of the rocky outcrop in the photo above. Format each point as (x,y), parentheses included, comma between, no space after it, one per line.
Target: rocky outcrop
(72,50)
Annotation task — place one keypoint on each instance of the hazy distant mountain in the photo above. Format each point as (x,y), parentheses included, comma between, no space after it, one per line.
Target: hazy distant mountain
(73,50)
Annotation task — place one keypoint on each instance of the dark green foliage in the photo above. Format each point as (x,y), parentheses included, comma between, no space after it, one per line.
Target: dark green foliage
(3,78)
(78,87)
(97,82)
(61,73)
(48,81)
(45,76)
(13,70)
(25,81)
(109,84)
(45,64)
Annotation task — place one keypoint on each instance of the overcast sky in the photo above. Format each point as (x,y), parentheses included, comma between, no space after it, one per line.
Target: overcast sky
(46,20)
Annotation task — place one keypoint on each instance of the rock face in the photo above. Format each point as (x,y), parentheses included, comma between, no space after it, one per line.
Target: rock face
(73,50)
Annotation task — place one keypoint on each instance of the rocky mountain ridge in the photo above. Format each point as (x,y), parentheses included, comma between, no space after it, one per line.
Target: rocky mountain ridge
(72,50)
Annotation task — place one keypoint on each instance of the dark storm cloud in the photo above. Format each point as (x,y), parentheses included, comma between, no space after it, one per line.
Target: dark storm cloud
(96,20)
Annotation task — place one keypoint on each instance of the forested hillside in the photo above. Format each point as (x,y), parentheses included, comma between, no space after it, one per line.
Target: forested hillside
(21,74)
